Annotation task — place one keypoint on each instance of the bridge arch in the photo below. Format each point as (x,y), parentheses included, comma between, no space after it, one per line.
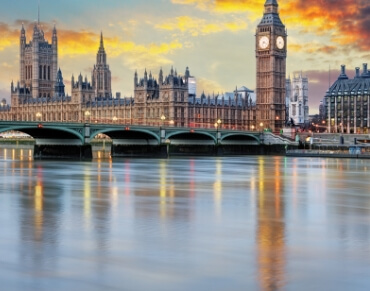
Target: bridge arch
(115,133)
(246,136)
(46,131)
(192,135)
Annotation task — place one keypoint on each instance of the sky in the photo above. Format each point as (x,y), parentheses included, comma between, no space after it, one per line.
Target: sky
(214,38)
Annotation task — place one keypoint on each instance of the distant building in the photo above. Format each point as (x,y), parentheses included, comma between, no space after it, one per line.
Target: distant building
(297,100)
(347,103)
(322,113)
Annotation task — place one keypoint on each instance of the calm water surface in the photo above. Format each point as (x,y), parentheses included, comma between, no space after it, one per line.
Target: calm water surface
(240,223)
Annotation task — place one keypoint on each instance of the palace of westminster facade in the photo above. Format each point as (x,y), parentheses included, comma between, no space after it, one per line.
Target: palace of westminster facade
(170,100)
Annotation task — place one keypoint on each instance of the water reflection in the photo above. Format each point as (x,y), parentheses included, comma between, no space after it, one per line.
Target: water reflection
(270,226)
(244,223)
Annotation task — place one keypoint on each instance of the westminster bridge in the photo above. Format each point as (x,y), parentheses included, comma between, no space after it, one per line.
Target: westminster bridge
(61,139)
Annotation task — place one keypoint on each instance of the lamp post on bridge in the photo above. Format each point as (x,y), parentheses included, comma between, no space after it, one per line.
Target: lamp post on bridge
(261,134)
(217,125)
(162,132)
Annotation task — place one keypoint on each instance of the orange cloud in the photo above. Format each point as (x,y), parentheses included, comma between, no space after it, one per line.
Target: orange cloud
(347,22)
(197,26)
(224,6)
(9,37)
(204,85)
(86,43)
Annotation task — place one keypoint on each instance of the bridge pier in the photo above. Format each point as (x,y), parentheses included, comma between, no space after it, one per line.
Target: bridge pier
(79,152)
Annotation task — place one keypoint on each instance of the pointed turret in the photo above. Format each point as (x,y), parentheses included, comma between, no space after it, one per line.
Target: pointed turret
(23,32)
(59,85)
(101,41)
(135,79)
(145,79)
(160,79)
(101,58)
(187,73)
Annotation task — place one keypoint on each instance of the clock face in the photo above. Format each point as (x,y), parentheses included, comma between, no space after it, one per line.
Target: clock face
(264,42)
(280,42)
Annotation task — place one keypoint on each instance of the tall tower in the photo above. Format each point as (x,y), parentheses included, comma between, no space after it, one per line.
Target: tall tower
(101,75)
(38,63)
(271,52)
(298,99)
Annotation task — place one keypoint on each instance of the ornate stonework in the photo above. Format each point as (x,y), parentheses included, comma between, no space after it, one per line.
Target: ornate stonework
(271,52)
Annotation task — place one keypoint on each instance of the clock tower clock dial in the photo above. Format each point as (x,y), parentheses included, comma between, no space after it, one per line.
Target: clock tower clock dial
(271,55)
(280,42)
(264,42)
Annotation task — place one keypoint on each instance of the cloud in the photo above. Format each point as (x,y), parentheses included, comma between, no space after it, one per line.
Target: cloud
(197,26)
(224,6)
(9,37)
(312,48)
(346,22)
(208,87)
(75,44)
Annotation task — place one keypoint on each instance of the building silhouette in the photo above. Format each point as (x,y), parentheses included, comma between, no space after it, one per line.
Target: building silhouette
(169,100)
(297,99)
(347,103)
(271,52)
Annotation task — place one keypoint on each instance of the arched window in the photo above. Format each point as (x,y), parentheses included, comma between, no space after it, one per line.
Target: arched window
(40,72)
(44,72)
(296,94)
(48,72)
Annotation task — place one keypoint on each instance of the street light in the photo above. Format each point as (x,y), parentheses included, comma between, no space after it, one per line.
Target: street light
(115,119)
(217,125)
(38,116)
(87,115)
(261,137)
(163,118)
(161,132)
(252,127)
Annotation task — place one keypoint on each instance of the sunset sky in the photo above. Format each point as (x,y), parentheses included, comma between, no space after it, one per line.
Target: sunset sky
(215,38)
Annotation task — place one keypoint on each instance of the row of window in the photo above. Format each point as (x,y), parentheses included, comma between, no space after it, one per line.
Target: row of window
(351,98)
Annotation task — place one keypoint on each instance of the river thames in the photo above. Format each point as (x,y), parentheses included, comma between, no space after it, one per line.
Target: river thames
(230,223)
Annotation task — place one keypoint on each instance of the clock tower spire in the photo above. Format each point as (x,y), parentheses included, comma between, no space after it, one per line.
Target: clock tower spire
(271,53)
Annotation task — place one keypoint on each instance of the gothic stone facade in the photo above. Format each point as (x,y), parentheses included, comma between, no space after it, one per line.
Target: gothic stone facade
(170,100)
(297,99)
(271,52)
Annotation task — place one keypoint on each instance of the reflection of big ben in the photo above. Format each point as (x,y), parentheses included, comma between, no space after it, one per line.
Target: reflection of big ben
(271,54)
(271,227)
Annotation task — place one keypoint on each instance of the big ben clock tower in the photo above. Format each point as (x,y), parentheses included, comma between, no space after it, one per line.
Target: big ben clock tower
(271,52)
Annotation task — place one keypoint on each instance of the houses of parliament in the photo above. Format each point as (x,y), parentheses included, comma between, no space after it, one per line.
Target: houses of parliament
(170,99)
